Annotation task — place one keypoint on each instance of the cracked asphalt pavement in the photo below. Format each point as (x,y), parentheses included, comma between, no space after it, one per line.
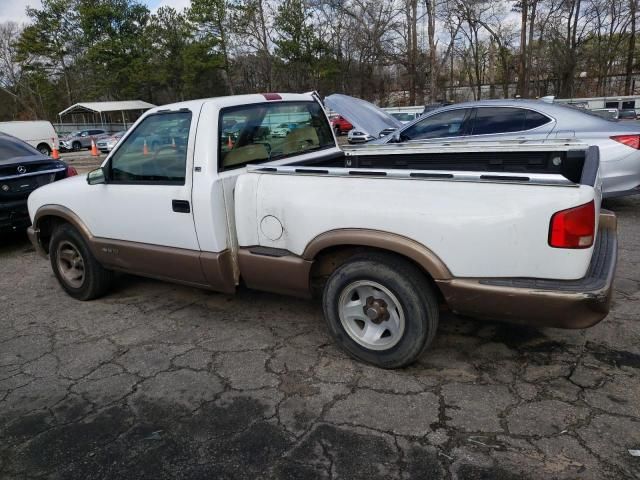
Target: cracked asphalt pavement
(164,381)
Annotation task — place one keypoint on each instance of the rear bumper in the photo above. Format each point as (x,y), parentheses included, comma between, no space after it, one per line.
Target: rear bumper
(14,215)
(543,303)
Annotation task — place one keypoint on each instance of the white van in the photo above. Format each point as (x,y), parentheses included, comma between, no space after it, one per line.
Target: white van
(39,134)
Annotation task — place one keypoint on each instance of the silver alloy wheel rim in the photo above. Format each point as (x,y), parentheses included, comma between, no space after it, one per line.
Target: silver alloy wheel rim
(371,315)
(70,264)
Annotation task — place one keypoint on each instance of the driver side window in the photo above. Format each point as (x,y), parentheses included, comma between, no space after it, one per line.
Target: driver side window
(155,152)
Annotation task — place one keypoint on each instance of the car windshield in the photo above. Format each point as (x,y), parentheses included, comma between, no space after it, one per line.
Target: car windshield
(14,148)
(403,117)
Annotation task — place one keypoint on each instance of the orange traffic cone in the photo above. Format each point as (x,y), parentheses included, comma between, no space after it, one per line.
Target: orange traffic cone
(94,149)
(145,149)
(230,142)
(55,154)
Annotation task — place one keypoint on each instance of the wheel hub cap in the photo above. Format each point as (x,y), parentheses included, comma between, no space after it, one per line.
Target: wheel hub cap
(376,310)
(70,264)
(371,315)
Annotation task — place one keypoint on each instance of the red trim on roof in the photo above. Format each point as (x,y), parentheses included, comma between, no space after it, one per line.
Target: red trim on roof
(272,96)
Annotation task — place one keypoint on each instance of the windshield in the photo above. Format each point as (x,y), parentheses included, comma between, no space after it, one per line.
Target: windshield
(14,148)
(403,117)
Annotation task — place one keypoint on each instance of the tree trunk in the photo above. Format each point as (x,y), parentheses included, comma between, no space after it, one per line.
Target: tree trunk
(532,22)
(522,70)
(631,48)
(433,59)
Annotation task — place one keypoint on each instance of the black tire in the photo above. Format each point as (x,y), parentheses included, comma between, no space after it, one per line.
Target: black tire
(410,287)
(76,146)
(96,279)
(44,149)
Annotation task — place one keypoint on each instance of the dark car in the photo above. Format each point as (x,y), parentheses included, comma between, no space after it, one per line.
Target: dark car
(22,170)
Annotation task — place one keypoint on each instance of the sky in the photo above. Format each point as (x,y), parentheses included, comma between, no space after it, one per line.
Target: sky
(14,10)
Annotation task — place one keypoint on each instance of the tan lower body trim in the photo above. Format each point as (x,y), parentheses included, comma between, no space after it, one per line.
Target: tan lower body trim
(525,306)
(191,267)
(288,274)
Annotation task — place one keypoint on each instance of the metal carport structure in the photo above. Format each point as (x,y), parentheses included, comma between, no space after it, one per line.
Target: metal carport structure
(129,111)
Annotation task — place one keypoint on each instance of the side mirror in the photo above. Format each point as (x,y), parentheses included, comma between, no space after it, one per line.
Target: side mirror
(97,176)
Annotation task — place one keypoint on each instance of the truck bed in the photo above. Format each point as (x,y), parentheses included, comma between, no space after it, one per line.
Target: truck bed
(482,218)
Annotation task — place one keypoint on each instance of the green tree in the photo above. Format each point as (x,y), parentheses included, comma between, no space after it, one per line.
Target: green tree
(297,45)
(212,18)
(111,33)
(52,40)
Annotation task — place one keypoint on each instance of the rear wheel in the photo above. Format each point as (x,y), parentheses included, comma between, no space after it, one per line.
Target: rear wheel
(44,149)
(75,267)
(381,309)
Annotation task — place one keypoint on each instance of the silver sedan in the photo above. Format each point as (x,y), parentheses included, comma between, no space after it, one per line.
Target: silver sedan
(494,120)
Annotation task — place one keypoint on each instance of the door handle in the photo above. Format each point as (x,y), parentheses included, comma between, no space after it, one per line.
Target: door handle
(181,206)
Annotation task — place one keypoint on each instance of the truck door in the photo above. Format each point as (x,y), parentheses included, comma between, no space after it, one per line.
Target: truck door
(142,214)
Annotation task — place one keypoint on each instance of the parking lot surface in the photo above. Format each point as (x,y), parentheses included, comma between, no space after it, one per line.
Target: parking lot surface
(164,381)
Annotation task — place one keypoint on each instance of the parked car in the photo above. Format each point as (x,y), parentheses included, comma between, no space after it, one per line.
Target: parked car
(81,139)
(39,134)
(22,170)
(498,120)
(106,144)
(608,113)
(627,114)
(404,117)
(281,130)
(356,136)
(423,228)
(341,125)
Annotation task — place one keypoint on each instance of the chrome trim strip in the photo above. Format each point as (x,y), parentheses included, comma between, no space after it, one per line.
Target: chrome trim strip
(424,175)
(462,146)
(33,174)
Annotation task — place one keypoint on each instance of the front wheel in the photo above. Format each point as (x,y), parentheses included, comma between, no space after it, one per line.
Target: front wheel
(75,267)
(76,146)
(380,309)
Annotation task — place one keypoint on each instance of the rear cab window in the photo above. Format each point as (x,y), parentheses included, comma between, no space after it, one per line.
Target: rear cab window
(264,132)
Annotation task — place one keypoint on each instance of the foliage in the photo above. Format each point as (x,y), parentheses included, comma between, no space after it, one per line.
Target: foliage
(390,51)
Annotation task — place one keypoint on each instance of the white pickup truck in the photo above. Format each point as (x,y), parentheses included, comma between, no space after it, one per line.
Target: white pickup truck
(203,194)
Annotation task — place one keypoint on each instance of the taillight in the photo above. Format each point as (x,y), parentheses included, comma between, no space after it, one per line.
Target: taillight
(632,141)
(71,172)
(574,227)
